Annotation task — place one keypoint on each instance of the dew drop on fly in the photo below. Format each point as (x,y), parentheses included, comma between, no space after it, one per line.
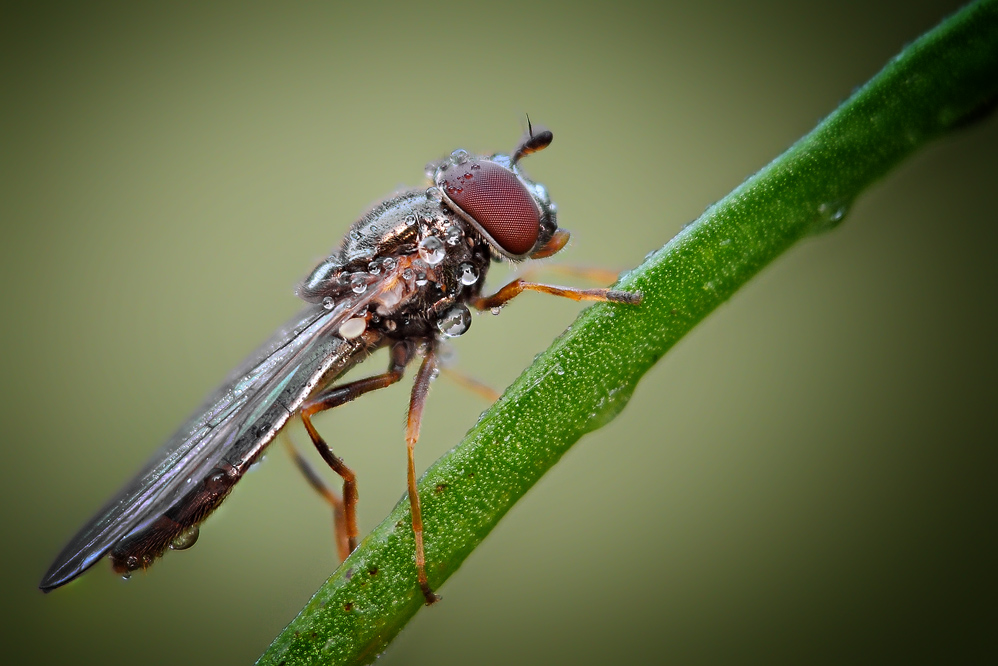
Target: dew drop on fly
(453,235)
(455,321)
(431,249)
(469,274)
(185,539)
(358,283)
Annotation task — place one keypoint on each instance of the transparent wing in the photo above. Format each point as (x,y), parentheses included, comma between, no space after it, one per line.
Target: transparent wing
(231,428)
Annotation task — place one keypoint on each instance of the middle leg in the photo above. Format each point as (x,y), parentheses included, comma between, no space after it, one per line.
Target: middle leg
(400,355)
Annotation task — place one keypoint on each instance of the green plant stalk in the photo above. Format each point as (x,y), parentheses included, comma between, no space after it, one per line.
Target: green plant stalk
(946,79)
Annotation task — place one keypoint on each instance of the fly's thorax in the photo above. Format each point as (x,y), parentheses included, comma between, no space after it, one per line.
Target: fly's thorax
(448,268)
(389,228)
(412,257)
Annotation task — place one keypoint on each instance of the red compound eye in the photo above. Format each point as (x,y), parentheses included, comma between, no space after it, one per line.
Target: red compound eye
(497,201)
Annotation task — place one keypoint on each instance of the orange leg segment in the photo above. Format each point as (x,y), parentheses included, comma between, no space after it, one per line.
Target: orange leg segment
(591,273)
(420,390)
(483,391)
(401,353)
(327,493)
(518,286)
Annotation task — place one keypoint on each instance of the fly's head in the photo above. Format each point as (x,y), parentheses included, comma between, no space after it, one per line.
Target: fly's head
(512,213)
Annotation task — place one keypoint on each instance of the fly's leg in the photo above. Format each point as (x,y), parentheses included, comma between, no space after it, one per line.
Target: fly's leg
(327,493)
(518,286)
(400,355)
(420,389)
(483,391)
(591,273)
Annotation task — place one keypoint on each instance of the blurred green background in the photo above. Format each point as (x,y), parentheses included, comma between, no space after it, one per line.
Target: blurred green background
(809,477)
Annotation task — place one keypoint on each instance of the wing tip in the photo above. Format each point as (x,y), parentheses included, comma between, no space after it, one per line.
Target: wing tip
(57,577)
(67,569)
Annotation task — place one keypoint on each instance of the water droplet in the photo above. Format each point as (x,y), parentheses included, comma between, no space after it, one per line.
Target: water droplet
(185,539)
(558,370)
(353,328)
(453,235)
(608,407)
(410,220)
(434,373)
(469,274)
(358,254)
(434,194)
(374,268)
(830,214)
(358,283)
(131,563)
(389,263)
(496,310)
(421,279)
(431,250)
(328,302)
(408,274)
(455,321)
(459,156)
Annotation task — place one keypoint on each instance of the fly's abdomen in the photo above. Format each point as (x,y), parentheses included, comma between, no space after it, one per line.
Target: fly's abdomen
(177,528)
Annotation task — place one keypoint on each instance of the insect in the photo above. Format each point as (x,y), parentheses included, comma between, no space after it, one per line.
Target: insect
(402,278)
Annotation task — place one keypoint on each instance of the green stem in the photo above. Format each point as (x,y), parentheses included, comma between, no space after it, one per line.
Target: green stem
(944,80)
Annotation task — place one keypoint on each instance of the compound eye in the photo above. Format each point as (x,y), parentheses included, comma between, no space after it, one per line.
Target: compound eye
(496,201)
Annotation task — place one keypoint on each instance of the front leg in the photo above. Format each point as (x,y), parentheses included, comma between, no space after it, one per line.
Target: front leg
(518,286)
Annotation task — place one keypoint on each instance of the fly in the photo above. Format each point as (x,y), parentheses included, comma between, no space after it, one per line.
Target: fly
(402,278)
